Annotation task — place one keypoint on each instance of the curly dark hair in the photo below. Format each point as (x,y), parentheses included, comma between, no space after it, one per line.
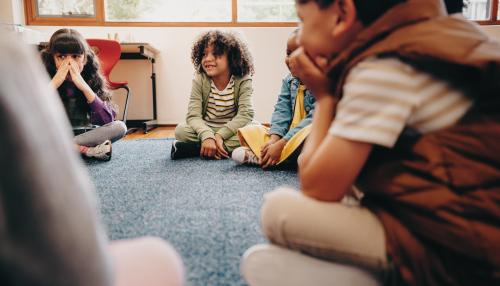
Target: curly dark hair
(239,58)
(69,41)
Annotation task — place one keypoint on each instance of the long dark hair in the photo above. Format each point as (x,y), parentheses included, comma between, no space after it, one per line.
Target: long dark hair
(69,41)
(239,57)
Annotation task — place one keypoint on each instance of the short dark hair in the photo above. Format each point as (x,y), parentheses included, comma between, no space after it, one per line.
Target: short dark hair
(239,57)
(454,6)
(368,10)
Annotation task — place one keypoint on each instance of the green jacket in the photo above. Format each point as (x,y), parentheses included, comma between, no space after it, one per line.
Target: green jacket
(198,106)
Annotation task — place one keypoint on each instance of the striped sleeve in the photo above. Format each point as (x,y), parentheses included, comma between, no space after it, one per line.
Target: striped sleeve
(383,96)
(378,100)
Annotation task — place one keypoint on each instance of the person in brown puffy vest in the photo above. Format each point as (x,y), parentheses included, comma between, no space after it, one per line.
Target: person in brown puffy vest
(406,111)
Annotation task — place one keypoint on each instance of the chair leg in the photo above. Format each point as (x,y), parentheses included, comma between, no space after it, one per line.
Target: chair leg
(125,109)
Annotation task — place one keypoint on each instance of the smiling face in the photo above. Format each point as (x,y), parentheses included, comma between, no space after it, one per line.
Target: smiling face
(214,65)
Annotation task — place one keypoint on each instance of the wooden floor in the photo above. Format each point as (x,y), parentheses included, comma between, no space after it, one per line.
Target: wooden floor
(157,133)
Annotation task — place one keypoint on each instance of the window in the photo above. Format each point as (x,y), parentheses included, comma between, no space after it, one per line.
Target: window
(267,11)
(168,11)
(482,11)
(478,10)
(193,12)
(161,12)
(61,8)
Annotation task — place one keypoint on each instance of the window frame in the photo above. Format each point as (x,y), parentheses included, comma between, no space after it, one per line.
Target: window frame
(99,19)
(494,15)
(32,18)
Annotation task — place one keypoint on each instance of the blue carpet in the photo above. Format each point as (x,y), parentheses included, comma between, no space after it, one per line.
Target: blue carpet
(208,210)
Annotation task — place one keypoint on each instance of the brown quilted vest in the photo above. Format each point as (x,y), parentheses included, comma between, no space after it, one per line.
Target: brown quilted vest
(438,194)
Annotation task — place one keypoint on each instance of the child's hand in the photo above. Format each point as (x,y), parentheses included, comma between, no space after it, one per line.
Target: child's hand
(221,151)
(76,77)
(273,154)
(61,73)
(208,148)
(312,72)
(79,82)
(271,141)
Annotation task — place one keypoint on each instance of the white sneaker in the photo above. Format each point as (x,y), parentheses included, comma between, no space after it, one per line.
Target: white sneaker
(100,152)
(243,155)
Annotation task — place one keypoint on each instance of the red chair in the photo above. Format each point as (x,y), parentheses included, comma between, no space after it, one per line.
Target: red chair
(108,52)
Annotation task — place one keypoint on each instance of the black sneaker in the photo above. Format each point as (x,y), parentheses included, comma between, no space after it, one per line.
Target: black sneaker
(181,150)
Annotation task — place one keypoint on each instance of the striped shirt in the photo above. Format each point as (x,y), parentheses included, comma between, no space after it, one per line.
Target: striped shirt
(383,96)
(220,108)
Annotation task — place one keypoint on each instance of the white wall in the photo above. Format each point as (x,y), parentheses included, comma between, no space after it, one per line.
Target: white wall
(174,69)
(11,12)
(6,12)
(493,31)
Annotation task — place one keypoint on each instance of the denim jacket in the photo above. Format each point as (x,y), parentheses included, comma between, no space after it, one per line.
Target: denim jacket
(283,110)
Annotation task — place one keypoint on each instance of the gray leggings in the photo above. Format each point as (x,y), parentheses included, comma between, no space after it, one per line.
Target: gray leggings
(113,131)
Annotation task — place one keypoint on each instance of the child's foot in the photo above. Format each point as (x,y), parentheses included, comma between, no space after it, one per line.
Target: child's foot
(100,152)
(181,150)
(243,155)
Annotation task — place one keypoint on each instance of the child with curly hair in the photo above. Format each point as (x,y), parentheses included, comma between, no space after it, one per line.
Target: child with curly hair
(280,145)
(221,98)
(74,69)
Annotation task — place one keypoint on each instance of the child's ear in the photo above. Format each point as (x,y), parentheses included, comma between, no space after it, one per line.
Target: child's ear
(347,16)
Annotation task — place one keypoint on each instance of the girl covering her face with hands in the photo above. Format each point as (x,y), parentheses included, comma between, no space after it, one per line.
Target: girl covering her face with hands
(74,69)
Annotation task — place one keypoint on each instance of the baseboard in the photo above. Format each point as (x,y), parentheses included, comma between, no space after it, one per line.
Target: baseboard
(138,123)
(131,123)
(167,125)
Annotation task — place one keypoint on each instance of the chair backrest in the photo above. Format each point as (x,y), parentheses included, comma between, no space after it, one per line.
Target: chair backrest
(108,51)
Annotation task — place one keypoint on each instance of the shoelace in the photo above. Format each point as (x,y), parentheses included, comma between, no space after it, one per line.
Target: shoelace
(101,148)
(251,158)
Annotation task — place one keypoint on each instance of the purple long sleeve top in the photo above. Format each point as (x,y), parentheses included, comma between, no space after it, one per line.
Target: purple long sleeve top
(101,112)
(80,112)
